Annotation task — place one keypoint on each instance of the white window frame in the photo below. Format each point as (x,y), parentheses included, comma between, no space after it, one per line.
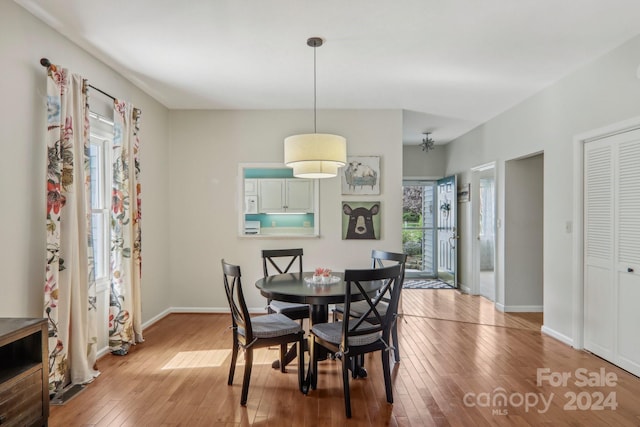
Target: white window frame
(101,136)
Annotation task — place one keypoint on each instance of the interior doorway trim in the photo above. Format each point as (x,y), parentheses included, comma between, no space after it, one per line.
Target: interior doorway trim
(579,142)
(475,200)
(484,167)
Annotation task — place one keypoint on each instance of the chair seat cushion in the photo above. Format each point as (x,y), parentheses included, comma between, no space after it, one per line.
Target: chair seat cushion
(272,325)
(287,307)
(332,332)
(358,308)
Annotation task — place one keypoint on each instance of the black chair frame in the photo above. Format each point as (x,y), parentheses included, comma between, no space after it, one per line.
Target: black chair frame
(392,283)
(246,341)
(377,261)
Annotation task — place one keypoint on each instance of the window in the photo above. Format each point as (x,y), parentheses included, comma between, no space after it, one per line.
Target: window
(100,142)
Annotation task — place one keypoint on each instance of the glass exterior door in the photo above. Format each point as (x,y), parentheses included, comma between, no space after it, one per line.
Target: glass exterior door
(447,231)
(418,228)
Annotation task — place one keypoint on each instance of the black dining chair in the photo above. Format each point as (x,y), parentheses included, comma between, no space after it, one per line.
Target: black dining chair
(250,333)
(283,261)
(378,259)
(356,336)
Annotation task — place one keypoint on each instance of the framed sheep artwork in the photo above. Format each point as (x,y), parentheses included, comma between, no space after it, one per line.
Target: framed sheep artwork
(361,220)
(361,175)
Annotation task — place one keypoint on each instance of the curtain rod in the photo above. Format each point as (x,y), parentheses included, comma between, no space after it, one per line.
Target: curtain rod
(46,63)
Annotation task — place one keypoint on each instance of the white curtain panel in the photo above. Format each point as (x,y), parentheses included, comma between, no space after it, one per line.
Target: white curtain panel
(125,327)
(69,294)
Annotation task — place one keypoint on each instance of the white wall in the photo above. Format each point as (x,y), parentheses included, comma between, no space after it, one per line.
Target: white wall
(603,92)
(207,147)
(23,41)
(189,190)
(418,164)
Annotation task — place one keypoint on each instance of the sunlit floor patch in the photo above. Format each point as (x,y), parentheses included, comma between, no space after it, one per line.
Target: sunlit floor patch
(198,359)
(217,358)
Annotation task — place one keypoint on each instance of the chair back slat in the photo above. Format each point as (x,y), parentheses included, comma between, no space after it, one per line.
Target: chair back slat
(278,257)
(233,289)
(378,259)
(389,292)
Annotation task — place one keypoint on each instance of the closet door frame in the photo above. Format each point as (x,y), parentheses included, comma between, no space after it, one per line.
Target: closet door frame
(579,142)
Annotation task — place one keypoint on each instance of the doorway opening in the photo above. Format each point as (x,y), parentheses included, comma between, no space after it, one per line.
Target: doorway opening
(486,237)
(429,236)
(484,230)
(418,228)
(523,235)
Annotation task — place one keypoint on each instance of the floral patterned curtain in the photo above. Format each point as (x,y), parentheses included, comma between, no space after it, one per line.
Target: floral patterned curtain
(69,294)
(125,311)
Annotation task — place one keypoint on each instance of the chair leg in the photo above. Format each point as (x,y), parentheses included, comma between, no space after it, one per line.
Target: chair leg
(248,364)
(396,344)
(234,358)
(355,362)
(386,368)
(283,353)
(360,363)
(345,384)
(313,363)
(301,364)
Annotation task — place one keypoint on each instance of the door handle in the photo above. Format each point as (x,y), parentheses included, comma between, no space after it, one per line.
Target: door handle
(629,270)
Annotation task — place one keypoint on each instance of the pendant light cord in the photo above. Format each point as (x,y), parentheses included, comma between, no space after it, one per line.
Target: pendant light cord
(315,42)
(315,130)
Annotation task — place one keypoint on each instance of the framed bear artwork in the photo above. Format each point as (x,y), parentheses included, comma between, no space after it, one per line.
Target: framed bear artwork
(361,220)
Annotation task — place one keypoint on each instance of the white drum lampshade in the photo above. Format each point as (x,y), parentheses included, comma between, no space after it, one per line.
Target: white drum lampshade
(315,155)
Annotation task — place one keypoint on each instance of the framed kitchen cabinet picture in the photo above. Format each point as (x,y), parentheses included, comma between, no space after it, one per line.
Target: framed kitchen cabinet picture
(361,175)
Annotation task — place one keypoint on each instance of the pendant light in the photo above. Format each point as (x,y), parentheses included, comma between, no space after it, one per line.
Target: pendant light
(315,155)
(427,143)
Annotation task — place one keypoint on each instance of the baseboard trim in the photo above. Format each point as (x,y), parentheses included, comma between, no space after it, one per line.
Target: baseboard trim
(464,290)
(154,319)
(519,308)
(197,310)
(203,310)
(557,335)
(102,352)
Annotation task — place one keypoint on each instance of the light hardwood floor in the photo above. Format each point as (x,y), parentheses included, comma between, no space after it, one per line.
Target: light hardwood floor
(458,353)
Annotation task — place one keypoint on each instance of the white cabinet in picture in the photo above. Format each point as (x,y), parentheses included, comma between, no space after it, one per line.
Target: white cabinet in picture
(271,195)
(285,195)
(251,187)
(299,195)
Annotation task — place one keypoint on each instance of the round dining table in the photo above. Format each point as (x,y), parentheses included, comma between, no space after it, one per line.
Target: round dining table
(300,288)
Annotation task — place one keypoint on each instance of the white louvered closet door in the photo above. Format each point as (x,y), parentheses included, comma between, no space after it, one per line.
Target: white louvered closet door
(612,249)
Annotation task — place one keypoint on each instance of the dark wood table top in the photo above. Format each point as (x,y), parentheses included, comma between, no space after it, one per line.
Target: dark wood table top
(292,287)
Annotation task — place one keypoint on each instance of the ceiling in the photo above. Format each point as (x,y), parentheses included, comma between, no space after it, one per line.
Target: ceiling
(451,65)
